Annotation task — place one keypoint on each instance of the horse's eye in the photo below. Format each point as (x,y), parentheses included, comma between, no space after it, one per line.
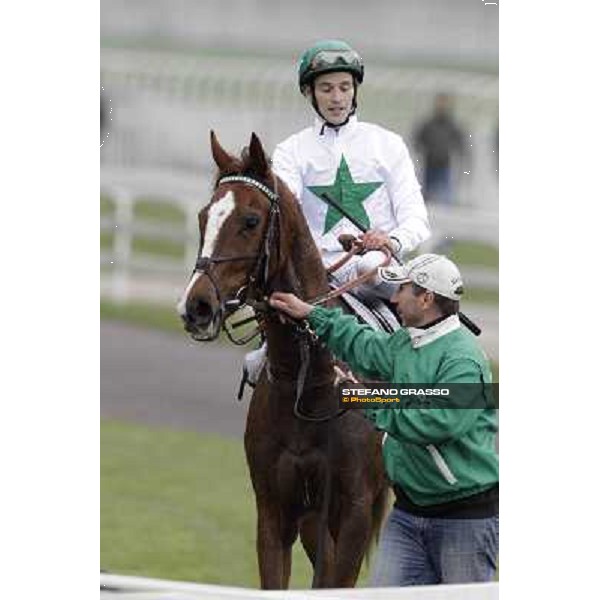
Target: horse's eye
(251,221)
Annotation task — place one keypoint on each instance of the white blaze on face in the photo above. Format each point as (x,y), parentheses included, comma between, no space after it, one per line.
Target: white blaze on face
(181,304)
(217,215)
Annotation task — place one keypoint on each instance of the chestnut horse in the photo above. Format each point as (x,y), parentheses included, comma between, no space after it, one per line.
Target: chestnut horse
(316,471)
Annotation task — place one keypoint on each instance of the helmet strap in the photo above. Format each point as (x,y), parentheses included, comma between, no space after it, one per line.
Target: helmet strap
(326,123)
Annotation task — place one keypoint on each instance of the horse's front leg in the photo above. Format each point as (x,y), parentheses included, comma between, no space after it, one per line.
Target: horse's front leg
(310,531)
(352,542)
(274,553)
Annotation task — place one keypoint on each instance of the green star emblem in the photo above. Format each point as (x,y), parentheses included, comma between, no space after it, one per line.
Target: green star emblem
(349,195)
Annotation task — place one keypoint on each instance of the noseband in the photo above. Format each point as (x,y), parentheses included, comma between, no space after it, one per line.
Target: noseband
(253,290)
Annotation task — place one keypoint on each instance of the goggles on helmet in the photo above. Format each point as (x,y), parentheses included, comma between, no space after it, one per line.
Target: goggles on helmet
(326,59)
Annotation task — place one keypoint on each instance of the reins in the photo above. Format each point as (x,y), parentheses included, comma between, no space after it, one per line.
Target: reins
(353,282)
(252,293)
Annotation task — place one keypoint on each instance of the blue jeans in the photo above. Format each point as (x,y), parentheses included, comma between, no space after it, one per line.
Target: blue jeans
(425,551)
(438,185)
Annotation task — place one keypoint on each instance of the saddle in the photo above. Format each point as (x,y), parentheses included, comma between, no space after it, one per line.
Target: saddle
(369,309)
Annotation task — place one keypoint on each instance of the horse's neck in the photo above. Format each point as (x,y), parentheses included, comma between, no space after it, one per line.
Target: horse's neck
(305,276)
(305,268)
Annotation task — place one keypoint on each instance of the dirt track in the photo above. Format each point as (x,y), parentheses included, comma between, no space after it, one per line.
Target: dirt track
(163,379)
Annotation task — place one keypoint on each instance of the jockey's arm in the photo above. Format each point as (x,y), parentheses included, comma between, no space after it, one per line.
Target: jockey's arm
(412,224)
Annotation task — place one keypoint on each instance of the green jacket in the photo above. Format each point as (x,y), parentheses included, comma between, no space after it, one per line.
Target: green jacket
(439,454)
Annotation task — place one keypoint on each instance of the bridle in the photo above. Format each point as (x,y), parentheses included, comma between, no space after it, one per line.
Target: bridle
(252,291)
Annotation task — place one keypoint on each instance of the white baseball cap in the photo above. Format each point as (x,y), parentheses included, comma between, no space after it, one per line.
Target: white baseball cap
(432,272)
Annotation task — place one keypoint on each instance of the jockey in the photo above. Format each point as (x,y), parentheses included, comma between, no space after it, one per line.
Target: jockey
(364,167)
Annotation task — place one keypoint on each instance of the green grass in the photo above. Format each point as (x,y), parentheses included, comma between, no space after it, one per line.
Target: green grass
(107,240)
(141,245)
(147,210)
(164,248)
(107,206)
(179,505)
(158,211)
(175,505)
(481,296)
(474,254)
(155,316)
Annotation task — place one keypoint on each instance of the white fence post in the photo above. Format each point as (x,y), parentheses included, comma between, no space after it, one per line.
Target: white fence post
(122,244)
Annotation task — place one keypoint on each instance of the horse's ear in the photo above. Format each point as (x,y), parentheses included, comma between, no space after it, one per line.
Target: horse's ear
(222,158)
(258,156)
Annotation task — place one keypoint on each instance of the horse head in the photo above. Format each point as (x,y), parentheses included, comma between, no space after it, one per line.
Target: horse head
(240,241)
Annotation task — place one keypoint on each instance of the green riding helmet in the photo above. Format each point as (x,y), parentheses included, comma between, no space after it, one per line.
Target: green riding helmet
(329,56)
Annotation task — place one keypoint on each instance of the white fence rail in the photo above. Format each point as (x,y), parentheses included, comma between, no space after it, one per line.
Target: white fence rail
(164,104)
(114,587)
(126,187)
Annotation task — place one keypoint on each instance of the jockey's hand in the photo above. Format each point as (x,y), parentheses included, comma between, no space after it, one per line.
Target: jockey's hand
(290,304)
(374,239)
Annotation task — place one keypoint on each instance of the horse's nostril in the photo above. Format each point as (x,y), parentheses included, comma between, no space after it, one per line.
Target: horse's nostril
(202,312)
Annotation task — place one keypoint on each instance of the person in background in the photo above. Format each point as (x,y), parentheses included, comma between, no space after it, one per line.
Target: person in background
(440,141)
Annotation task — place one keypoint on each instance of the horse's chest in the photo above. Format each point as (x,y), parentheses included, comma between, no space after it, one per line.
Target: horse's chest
(299,475)
(299,442)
